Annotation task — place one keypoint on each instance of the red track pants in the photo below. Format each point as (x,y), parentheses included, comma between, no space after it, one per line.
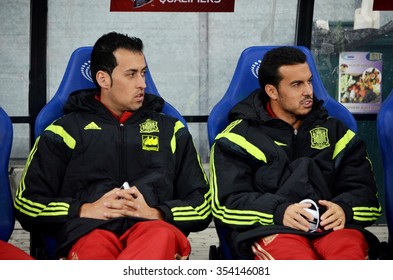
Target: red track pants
(344,244)
(148,240)
(10,252)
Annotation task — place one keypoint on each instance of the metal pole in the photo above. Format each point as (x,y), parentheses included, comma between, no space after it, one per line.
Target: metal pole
(37,83)
(304,22)
(37,75)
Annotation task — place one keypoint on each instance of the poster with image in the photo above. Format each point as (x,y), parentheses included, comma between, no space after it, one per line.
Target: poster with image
(360,81)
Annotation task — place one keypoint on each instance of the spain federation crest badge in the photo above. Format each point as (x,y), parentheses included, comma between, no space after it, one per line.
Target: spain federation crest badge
(319,138)
(149,126)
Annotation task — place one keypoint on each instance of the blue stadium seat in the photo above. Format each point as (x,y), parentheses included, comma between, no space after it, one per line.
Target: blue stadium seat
(245,81)
(385,138)
(7,220)
(77,76)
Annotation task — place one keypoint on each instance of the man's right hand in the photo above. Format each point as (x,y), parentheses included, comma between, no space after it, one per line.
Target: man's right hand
(110,205)
(297,217)
(120,203)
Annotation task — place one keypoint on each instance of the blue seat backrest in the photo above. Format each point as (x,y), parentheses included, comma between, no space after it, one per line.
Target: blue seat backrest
(78,76)
(385,138)
(245,80)
(7,220)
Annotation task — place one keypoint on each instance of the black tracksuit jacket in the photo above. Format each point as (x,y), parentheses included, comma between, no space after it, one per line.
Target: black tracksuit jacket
(259,165)
(87,152)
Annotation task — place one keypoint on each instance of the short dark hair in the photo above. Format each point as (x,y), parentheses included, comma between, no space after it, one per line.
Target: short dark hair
(102,57)
(269,69)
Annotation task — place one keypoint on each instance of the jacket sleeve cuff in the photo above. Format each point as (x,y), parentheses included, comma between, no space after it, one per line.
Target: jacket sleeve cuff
(348,212)
(73,211)
(279,213)
(167,214)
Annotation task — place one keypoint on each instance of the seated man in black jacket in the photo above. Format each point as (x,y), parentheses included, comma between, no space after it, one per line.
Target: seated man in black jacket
(289,181)
(110,137)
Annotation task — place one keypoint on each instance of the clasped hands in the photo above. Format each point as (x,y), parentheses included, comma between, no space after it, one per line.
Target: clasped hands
(297,217)
(120,203)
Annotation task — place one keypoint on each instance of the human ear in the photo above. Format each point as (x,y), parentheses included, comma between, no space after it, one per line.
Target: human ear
(271,91)
(103,79)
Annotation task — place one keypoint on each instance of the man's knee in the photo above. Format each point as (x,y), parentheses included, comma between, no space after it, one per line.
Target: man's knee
(160,228)
(344,244)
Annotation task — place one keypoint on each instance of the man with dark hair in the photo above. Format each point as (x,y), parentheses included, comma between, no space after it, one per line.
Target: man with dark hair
(288,181)
(115,178)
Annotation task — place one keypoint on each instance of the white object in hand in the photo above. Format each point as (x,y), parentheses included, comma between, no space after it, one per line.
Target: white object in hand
(314,210)
(125,186)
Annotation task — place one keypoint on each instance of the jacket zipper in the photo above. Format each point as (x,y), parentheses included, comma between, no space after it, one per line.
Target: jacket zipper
(294,144)
(122,156)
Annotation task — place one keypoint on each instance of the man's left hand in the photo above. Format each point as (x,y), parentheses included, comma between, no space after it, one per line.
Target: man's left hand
(334,217)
